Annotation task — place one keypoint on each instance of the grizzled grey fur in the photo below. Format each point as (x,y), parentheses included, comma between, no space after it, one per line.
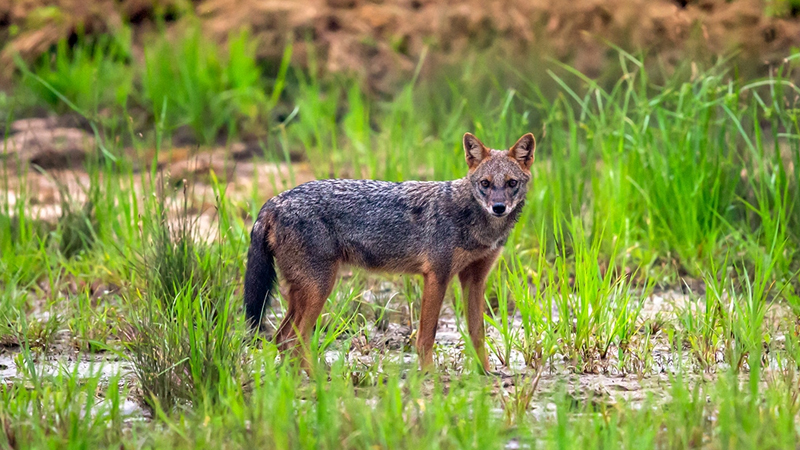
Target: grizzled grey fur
(433,228)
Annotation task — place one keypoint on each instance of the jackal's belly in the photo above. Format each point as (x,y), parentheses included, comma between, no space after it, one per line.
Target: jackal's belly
(414,257)
(386,255)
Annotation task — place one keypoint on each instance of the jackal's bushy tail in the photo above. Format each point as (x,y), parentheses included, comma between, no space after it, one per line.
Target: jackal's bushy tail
(260,276)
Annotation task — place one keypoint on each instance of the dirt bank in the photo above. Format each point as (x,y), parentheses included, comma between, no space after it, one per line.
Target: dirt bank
(383,40)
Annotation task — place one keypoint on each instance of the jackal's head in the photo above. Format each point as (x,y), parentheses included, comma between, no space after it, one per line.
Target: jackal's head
(499,178)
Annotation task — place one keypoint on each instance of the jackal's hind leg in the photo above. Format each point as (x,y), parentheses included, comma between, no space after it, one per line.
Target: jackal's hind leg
(307,295)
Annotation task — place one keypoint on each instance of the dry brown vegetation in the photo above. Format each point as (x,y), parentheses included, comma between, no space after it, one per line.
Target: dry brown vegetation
(381,40)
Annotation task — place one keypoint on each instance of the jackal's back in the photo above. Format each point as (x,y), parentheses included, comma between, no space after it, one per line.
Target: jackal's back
(378,224)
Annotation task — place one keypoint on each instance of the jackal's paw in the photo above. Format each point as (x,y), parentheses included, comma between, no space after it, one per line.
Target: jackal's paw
(492,373)
(496,374)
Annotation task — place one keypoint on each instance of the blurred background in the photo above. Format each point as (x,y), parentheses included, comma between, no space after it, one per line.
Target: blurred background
(112,55)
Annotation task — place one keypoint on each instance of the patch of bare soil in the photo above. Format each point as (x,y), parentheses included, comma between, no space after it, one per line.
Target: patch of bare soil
(382,41)
(49,143)
(44,166)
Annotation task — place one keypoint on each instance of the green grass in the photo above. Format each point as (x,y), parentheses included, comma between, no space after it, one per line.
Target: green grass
(637,188)
(93,74)
(193,83)
(62,411)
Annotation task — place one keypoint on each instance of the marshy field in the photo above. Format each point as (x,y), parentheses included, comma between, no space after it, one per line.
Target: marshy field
(648,297)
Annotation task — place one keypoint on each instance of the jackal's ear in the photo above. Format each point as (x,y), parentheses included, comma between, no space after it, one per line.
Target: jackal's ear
(474,150)
(522,151)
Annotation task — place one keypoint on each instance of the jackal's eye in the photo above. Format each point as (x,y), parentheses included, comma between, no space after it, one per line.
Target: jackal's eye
(485,184)
(512,183)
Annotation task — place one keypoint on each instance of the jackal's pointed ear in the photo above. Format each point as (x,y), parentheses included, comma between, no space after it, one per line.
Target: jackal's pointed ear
(522,151)
(474,150)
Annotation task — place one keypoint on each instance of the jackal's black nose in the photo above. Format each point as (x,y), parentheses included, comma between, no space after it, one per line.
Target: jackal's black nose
(499,208)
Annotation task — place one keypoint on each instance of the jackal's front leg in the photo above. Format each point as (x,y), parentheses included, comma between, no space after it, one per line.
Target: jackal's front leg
(432,297)
(473,282)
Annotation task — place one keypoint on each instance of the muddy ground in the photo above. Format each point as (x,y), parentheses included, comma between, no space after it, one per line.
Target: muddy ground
(604,383)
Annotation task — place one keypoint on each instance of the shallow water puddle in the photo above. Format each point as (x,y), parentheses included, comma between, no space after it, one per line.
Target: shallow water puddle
(102,368)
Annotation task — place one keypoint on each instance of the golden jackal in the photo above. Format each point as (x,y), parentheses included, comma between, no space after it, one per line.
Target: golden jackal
(437,229)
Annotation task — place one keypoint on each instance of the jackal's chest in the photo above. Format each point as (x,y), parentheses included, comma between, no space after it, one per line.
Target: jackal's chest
(461,259)
(484,240)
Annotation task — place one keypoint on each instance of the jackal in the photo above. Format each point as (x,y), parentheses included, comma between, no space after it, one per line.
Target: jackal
(436,229)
